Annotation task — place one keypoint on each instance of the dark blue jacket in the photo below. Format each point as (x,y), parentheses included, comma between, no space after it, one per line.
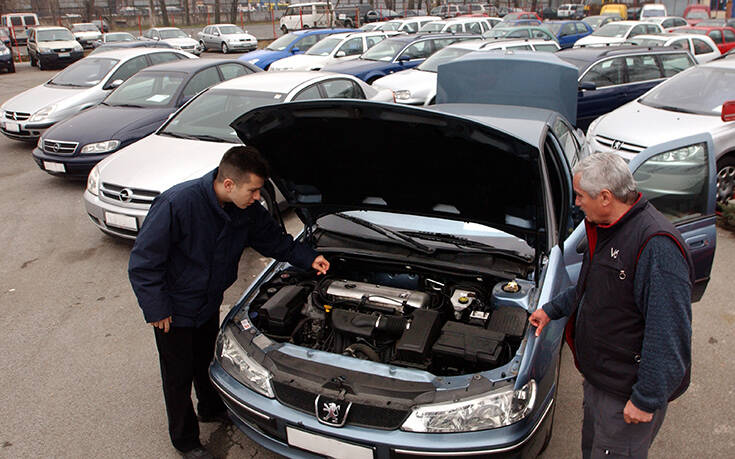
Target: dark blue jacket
(188,249)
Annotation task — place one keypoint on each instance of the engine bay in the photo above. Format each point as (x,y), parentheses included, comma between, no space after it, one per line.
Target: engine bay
(447,324)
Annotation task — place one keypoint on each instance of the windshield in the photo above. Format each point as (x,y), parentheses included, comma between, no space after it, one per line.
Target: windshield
(432,27)
(283,42)
(230,30)
(84,73)
(85,28)
(593,21)
(700,90)
(147,89)
(209,115)
(653,13)
(612,30)
(118,37)
(391,26)
(54,35)
(324,47)
(172,33)
(384,51)
(441,57)
(697,14)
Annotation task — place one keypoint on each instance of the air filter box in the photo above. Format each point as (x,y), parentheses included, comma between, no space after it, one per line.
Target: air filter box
(415,342)
(469,343)
(280,312)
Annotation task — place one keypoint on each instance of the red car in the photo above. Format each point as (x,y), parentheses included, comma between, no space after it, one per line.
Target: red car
(724,37)
(521,15)
(696,13)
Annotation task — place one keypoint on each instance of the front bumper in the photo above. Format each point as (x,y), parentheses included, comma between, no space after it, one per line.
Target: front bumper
(54,59)
(98,211)
(23,130)
(269,423)
(6,62)
(242,46)
(73,166)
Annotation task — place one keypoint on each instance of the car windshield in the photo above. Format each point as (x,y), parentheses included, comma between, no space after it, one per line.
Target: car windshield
(593,21)
(85,28)
(440,57)
(282,43)
(208,117)
(384,51)
(84,73)
(172,33)
(700,90)
(54,35)
(433,27)
(147,89)
(555,27)
(230,30)
(697,14)
(391,26)
(118,37)
(612,30)
(653,14)
(324,47)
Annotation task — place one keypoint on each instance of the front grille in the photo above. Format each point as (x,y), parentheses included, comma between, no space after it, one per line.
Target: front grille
(62,50)
(132,195)
(619,144)
(56,147)
(17,116)
(360,415)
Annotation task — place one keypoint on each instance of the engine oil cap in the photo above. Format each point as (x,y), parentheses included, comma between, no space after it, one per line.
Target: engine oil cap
(511,287)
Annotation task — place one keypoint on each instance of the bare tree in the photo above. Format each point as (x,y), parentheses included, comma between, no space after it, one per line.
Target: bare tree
(88,9)
(216,11)
(164,12)
(152,13)
(187,16)
(233,11)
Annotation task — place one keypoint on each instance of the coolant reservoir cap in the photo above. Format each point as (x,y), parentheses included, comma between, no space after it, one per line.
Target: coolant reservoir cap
(511,287)
(463,300)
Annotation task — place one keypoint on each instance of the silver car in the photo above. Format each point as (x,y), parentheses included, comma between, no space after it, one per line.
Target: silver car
(81,85)
(226,38)
(120,188)
(174,37)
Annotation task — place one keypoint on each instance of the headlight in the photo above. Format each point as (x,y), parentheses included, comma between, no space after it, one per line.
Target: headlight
(43,113)
(692,152)
(78,47)
(93,181)
(43,50)
(495,409)
(241,366)
(101,147)
(403,94)
(253,61)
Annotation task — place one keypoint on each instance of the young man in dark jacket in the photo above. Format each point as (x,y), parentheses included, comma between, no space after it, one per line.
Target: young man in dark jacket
(185,257)
(630,314)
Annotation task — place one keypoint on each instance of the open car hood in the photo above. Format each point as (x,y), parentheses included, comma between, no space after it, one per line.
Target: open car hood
(337,155)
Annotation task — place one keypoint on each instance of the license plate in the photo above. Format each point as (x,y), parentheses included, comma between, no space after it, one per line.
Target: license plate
(64,54)
(54,167)
(121,221)
(12,127)
(325,446)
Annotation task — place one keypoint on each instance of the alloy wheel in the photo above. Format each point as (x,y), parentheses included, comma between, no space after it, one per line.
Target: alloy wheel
(725,183)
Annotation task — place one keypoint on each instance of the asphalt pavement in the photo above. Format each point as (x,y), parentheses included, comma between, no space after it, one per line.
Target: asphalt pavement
(79,370)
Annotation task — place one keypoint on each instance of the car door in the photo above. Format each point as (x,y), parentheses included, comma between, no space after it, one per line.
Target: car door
(608,92)
(716,36)
(728,38)
(567,35)
(350,49)
(643,74)
(703,51)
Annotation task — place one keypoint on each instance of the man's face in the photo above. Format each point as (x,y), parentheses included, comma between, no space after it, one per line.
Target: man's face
(593,208)
(247,191)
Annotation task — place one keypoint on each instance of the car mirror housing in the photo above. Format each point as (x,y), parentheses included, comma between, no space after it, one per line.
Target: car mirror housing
(113,84)
(587,86)
(295,50)
(728,111)
(340,54)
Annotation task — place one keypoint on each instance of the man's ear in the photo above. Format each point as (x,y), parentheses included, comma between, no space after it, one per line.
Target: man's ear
(228,184)
(607,197)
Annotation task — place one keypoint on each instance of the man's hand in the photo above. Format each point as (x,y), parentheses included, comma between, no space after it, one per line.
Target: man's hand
(163,324)
(633,415)
(321,265)
(539,319)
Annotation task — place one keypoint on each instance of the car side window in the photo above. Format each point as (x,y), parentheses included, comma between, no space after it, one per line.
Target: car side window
(233,70)
(207,30)
(443,42)
(418,50)
(155,34)
(581,28)
(637,30)
(200,81)
(520,33)
(352,47)
(667,23)
(651,28)
(701,46)
(609,72)
(716,36)
(568,29)
(147,33)
(541,34)
(680,44)
(679,22)
(309,93)
(566,138)
(160,58)
(474,27)
(341,89)
(129,68)
(674,63)
(728,35)
(455,28)
(411,27)
(372,41)
(642,68)
(547,48)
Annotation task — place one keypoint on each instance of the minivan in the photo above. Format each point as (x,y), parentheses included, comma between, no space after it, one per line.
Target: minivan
(653,10)
(615,8)
(305,16)
(18,23)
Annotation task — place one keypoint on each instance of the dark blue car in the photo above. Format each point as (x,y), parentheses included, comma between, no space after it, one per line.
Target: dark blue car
(134,110)
(396,54)
(611,77)
(292,43)
(6,58)
(568,32)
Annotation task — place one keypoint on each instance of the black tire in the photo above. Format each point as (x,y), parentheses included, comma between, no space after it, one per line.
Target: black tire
(284,29)
(268,202)
(349,24)
(33,61)
(725,178)
(12,67)
(40,65)
(204,47)
(225,49)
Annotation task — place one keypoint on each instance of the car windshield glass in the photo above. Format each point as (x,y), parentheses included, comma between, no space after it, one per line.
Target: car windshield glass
(85,28)
(653,14)
(391,26)
(54,35)
(555,27)
(230,30)
(384,51)
(700,90)
(433,27)
(209,115)
(697,14)
(172,33)
(440,57)
(612,30)
(593,21)
(324,47)
(147,89)
(283,42)
(118,37)
(85,73)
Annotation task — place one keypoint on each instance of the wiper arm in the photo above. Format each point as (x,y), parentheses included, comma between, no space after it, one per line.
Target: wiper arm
(671,108)
(209,138)
(463,242)
(396,236)
(128,105)
(178,136)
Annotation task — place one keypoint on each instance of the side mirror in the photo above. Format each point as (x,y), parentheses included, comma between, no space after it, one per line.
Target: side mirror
(156,38)
(295,50)
(587,86)
(216,34)
(340,54)
(728,111)
(114,84)
(403,58)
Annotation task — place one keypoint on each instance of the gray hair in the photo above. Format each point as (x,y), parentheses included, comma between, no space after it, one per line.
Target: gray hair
(606,171)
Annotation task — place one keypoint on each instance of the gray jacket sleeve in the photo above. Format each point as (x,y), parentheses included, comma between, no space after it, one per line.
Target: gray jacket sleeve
(561,305)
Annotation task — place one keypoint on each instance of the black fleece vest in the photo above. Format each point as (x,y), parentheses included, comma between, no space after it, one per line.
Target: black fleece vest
(608,334)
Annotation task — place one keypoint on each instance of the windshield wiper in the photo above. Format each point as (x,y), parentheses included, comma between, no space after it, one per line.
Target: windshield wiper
(460,241)
(396,236)
(671,108)
(209,138)
(128,105)
(71,85)
(178,136)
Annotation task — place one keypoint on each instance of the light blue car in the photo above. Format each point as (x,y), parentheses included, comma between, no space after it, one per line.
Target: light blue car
(287,45)
(445,229)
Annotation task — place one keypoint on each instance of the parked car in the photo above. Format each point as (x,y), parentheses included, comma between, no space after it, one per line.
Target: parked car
(568,32)
(503,31)
(80,86)
(461,381)
(5,36)
(129,45)
(226,38)
(598,21)
(521,15)
(6,58)
(548,12)
(417,86)
(134,110)
(724,37)
(86,33)
(570,11)
(340,47)
(617,9)
(382,14)
(306,16)
(193,141)
(18,25)
(288,45)
(653,10)
(617,32)
(395,54)
(664,113)
(175,37)
(102,25)
(669,23)
(696,13)
(700,46)
(408,25)
(717,23)
(52,47)
(116,37)
(456,25)
(446,11)
(352,15)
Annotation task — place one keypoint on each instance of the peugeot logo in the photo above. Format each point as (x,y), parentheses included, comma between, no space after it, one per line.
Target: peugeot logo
(126,195)
(617,144)
(330,411)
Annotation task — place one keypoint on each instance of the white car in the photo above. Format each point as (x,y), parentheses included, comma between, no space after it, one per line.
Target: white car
(700,46)
(615,33)
(175,37)
(340,47)
(669,23)
(417,86)
(653,10)
(407,25)
(686,104)
(457,25)
(120,188)
(86,33)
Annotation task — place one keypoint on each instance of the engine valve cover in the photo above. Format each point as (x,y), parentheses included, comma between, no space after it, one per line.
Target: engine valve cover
(378,296)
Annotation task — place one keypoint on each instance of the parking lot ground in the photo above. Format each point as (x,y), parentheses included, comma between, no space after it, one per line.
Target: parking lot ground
(78,366)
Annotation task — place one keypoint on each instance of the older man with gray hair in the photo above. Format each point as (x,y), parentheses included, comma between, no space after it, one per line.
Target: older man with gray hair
(630,313)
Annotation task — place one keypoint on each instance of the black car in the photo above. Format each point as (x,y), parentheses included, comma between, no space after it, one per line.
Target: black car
(6,58)
(131,44)
(134,110)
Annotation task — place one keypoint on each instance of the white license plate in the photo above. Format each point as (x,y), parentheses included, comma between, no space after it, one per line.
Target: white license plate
(329,447)
(54,167)
(64,54)
(12,127)
(121,221)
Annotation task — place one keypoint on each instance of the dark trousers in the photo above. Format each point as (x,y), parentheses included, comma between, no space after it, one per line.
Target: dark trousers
(185,354)
(605,433)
